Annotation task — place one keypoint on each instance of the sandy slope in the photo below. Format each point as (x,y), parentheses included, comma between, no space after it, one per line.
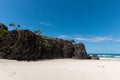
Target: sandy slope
(60,69)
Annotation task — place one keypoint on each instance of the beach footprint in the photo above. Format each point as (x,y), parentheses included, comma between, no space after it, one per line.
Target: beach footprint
(100,66)
(11,73)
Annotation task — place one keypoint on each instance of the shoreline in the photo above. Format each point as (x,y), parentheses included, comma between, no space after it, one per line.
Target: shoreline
(60,69)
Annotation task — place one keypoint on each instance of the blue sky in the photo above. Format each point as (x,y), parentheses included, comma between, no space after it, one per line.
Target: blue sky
(96,23)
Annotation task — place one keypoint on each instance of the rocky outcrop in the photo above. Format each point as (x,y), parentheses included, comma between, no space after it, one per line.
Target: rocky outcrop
(95,57)
(25,45)
(80,52)
(20,45)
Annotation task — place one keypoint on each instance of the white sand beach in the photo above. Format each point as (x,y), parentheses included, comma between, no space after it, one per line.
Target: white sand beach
(60,69)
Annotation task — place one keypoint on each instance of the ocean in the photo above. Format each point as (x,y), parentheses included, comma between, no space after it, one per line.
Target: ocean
(108,56)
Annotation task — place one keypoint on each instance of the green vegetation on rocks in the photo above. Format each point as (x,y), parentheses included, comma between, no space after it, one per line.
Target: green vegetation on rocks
(3,32)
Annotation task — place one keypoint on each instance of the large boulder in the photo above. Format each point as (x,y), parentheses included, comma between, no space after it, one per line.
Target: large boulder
(80,51)
(95,57)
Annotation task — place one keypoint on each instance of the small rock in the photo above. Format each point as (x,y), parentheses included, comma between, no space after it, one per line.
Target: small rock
(95,57)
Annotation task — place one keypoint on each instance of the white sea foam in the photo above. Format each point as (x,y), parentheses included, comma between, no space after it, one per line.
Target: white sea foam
(109,56)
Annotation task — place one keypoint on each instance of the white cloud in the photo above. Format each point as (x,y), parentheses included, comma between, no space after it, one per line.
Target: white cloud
(46,24)
(63,36)
(93,39)
(80,38)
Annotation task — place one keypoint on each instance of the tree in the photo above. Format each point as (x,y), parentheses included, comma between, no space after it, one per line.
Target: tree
(73,41)
(15,26)
(38,31)
(12,24)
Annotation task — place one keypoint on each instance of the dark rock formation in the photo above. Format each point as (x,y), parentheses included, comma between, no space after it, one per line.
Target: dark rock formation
(20,45)
(80,51)
(68,49)
(95,57)
(25,45)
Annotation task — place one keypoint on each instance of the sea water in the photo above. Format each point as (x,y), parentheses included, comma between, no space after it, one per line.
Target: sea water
(108,56)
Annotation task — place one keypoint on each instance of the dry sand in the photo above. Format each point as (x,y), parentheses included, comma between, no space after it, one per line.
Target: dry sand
(60,69)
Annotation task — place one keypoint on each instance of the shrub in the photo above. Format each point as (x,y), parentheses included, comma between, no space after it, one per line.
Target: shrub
(3,32)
